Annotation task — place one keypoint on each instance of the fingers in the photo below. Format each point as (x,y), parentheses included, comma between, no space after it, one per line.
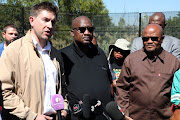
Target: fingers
(48,118)
(63,113)
(114,83)
(128,118)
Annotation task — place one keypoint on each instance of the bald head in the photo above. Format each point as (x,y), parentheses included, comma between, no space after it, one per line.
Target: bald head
(158,18)
(79,21)
(153,29)
(82,31)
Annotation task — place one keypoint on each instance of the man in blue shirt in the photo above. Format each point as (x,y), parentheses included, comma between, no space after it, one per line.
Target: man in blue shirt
(9,34)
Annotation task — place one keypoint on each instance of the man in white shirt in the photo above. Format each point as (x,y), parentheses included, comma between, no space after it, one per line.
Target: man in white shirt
(30,72)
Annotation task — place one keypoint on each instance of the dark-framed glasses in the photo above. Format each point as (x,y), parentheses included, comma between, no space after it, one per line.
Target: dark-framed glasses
(145,39)
(117,50)
(83,29)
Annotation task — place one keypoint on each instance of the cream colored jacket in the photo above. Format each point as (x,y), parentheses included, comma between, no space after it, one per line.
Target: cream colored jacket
(23,78)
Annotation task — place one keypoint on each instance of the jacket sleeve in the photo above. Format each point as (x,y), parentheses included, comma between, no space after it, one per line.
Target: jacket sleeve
(63,86)
(176,48)
(63,83)
(137,44)
(122,89)
(11,101)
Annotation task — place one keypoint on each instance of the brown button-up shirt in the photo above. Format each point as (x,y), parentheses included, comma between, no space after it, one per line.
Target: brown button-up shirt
(143,88)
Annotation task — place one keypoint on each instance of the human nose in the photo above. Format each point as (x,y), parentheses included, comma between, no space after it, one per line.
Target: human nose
(50,25)
(150,40)
(86,31)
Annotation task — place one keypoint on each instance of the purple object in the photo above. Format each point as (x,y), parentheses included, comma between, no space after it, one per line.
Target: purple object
(57,102)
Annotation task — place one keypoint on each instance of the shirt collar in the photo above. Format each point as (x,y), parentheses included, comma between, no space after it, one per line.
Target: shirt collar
(77,50)
(160,56)
(93,49)
(4,46)
(39,48)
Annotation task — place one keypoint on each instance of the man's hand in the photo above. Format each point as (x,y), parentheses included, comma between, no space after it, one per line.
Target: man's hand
(114,83)
(63,114)
(176,115)
(128,118)
(43,117)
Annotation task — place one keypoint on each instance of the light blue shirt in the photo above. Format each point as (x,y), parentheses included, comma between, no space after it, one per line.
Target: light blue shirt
(1,48)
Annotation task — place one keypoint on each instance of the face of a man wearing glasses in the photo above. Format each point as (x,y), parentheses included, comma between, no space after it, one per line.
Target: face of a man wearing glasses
(82,30)
(152,37)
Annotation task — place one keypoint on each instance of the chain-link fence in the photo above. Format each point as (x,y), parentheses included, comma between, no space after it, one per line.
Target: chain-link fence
(109,27)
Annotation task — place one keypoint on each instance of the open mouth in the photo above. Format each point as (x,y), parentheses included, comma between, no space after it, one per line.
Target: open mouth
(47,32)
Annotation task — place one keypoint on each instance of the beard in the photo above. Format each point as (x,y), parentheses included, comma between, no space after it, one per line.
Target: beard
(152,53)
(82,44)
(8,42)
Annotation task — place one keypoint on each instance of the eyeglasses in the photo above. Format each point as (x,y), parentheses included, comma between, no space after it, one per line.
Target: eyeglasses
(145,39)
(83,29)
(117,50)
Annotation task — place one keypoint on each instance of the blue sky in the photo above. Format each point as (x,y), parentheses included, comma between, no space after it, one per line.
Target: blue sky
(122,6)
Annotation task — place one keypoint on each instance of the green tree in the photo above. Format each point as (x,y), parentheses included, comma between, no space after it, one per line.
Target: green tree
(70,9)
(17,11)
(173,26)
(121,23)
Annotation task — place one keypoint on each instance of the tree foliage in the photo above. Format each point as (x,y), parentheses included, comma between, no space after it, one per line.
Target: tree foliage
(173,25)
(106,32)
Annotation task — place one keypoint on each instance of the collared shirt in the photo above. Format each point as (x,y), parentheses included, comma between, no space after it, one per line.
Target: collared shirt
(143,88)
(50,76)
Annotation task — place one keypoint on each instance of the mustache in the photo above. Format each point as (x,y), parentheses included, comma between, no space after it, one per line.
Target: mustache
(149,44)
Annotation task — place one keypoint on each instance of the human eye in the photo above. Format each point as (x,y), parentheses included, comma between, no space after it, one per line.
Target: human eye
(53,22)
(46,19)
(10,33)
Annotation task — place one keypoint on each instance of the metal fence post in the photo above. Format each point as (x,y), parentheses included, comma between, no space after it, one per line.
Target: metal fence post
(139,24)
(23,26)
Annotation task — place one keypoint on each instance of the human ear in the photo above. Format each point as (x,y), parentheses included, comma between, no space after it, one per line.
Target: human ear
(31,20)
(3,34)
(72,33)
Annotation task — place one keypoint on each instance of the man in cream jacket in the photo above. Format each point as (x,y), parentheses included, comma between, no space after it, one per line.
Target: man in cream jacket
(29,72)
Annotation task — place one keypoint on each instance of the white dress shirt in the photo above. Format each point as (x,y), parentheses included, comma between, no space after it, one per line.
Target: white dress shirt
(50,76)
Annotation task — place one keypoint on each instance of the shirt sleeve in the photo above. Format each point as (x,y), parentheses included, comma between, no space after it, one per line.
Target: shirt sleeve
(123,85)
(175,90)
(11,101)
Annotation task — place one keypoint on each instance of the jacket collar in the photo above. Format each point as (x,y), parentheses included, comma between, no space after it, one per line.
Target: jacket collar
(93,50)
(28,38)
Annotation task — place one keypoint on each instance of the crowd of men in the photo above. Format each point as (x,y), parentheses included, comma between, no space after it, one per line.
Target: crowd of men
(32,71)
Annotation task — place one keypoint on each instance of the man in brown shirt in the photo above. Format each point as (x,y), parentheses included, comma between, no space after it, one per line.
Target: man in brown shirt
(143,88)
